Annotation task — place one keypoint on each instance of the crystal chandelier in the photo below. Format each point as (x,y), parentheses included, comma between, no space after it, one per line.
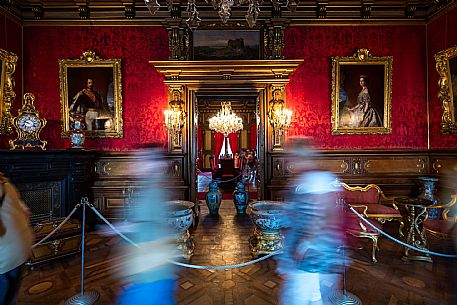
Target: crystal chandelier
(224,8)
(226,121)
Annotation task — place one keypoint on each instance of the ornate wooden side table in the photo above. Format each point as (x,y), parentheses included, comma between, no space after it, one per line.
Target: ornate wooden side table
(414,212)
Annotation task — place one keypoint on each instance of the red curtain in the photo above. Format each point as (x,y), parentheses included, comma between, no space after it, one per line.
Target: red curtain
(253,137)
(218,141)
(233,137)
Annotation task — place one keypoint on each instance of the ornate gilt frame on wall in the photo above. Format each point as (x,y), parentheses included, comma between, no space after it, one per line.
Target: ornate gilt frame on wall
(346,72)
(446,65)
(106,74)
(8,62)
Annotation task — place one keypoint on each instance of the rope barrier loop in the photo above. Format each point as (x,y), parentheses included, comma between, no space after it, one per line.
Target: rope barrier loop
(58,227)
(399,241)
(85,201)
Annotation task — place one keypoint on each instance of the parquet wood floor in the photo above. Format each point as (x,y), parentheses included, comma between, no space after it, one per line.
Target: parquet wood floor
(223,240)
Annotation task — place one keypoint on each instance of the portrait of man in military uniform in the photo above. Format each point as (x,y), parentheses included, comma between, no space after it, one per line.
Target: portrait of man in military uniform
(91,94)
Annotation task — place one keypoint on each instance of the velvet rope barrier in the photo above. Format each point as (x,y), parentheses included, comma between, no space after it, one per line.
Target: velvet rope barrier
(399,241)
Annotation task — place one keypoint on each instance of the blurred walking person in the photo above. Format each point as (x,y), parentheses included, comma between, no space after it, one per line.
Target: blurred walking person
(312,231)
(16,240)
(152,276)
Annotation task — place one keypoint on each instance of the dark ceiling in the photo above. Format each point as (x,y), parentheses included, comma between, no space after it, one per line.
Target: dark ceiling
(306,12)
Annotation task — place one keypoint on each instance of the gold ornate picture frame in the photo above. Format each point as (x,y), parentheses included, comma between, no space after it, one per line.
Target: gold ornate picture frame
(92,87)
(8,62)
(446,65)
(362,94)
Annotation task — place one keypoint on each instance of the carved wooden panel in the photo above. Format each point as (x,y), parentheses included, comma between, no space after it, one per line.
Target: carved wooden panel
(444,165)
(395,171)
(397,166)
(116,182)
(114,168)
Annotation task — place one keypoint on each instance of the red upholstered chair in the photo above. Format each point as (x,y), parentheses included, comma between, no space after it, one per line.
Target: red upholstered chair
(444,227)
(215,170)
(379,206)
(358,228)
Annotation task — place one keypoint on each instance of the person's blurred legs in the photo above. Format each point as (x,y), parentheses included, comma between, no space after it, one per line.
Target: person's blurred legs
(301,288)
(9,285)
(154,293)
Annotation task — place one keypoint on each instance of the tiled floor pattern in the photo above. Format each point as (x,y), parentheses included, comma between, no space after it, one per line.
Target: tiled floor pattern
(223,240)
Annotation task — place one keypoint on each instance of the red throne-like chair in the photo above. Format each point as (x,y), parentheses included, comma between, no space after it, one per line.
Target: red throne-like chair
(446,226)
(379,207)
(356,227)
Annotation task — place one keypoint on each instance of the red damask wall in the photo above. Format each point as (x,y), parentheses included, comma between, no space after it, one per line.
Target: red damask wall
(309,90)
(308,94)
(442,34)
(144,95)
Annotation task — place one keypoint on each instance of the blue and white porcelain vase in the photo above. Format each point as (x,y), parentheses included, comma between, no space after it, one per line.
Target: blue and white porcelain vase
(428,191)
(77,136)
(213,198)
(240,198)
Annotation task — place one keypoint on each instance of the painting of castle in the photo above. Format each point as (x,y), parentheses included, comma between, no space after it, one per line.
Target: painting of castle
(225,45)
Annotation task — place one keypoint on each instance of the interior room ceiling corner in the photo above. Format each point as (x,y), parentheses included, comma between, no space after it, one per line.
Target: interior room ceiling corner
(245,15)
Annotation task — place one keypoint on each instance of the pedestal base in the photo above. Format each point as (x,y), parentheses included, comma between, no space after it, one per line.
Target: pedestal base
(339,298)
(186,245)
(423,258)
(88,298)
(263,243)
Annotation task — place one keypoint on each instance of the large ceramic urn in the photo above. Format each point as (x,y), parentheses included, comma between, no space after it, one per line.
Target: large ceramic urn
(268,217)
(428,191)
(213,198)
(240,198)
(180,218)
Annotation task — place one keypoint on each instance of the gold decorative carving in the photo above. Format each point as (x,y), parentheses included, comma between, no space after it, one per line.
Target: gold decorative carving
(262,243)
(273,40)
(175,118)
(178,40)
(8,62)
(446,66)
(278,115)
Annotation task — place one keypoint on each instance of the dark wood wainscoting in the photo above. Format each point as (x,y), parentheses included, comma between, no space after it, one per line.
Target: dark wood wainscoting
(51,183)
(396,172)
(115,181)
(443,164)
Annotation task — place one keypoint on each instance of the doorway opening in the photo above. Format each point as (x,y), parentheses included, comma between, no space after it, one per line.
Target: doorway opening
(232,159)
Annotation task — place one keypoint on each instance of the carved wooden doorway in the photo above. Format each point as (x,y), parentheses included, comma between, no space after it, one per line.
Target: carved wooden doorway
(217,80)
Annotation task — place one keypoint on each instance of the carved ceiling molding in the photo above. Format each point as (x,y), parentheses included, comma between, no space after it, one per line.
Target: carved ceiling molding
(305,12)
(207,72)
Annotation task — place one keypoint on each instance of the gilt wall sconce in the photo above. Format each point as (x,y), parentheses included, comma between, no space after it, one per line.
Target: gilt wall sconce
(175,119)
(279,116)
